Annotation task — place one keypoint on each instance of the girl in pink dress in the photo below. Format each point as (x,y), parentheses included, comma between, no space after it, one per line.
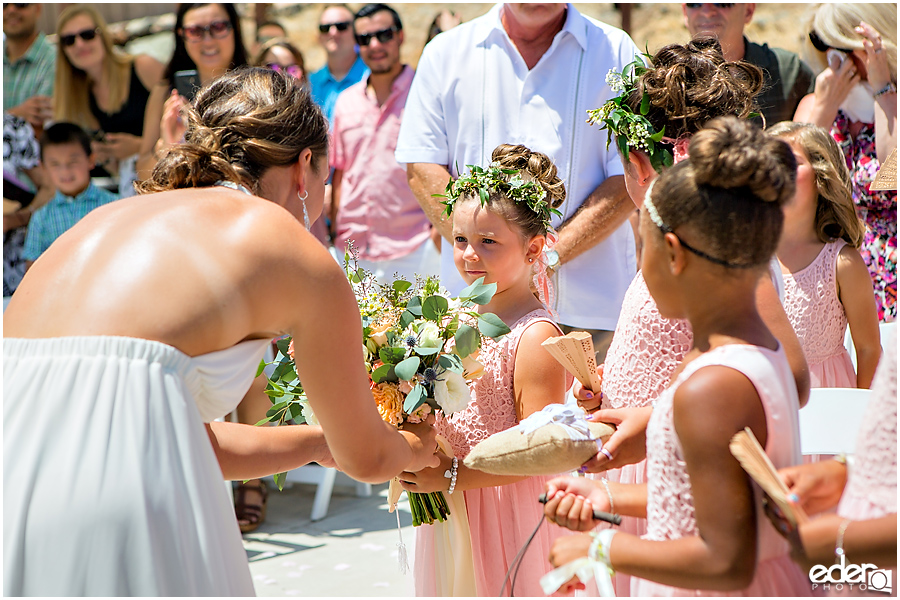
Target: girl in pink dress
(647,347)
(501,240)
(826,281)
(710,227)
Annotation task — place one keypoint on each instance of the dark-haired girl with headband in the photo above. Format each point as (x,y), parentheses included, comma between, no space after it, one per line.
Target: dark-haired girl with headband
(710,225)
(684,87)
(145,322)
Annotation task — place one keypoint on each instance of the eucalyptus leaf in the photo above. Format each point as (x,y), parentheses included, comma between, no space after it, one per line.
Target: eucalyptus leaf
(434,308)
(390,355)
(261,367)
(407,368)
(422,351)
(406,318)
(283,344)
(415,306)
(491,326)
(401,285)
(414,399)
(451,362)
(296,410)
(467,340)
(384,373)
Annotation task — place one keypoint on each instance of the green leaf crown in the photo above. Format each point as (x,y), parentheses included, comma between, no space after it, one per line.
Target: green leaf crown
(631,130)
(507,182)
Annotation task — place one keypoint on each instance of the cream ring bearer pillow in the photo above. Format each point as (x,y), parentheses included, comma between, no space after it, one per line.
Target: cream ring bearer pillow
(555,440)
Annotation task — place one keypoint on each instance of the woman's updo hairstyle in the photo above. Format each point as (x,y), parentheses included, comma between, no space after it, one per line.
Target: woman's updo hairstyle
(688,85)
(532,166)
(727,197)
(240,125)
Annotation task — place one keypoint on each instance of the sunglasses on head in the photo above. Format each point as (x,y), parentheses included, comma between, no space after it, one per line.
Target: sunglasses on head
(216,30)
(87,35)
(695,5)
(821,46)
(19,5)
(293,70)
(383,36)
(341,26)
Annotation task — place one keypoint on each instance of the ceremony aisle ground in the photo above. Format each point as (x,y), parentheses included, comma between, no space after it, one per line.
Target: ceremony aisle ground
(351,552)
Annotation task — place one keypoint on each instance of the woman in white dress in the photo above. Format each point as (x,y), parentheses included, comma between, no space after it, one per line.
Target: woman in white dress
(144,323)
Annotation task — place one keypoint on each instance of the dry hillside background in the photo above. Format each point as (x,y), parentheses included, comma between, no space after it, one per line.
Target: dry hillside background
(653,25)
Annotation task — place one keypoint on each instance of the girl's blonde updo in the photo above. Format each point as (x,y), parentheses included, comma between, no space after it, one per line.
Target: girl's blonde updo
(532,166)
(240,125)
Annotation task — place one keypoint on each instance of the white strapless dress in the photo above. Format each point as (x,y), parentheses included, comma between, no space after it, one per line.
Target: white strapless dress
(110,483)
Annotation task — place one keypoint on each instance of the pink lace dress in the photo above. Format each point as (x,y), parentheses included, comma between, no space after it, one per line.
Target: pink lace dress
(670,507)
(817,315)
(500,518)
(644,353)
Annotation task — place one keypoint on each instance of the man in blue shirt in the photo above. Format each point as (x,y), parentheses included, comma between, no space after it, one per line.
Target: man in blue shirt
(344,66)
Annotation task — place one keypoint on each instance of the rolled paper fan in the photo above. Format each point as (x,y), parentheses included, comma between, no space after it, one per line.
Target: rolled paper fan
(575,351)
(557,439)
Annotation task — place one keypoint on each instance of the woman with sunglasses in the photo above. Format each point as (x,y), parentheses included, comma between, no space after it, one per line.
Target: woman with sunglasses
(208,40)
(279,54)
(855,45)
(100,87)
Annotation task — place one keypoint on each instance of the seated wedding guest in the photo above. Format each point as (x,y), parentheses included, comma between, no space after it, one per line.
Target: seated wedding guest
(827,285)
(864,527)
(855,45)
(28,64)
(268,30)
(208,40)
(787,79)
(102,89)
(145,322)
(710,226)
(280,54)
(371,203)
(67,160)
(21,152)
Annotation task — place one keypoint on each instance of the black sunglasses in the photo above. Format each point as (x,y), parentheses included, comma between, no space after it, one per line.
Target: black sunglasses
(87,35)
(341,26)
(384,36)
(216,30)
(821,46)
(17,5)
(695,5)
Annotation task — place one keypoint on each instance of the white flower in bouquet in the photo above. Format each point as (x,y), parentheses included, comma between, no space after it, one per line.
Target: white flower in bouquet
(430,336)
(308,415)
(451,392)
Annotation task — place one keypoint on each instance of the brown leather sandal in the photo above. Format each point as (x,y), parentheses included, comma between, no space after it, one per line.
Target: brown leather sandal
(250,516)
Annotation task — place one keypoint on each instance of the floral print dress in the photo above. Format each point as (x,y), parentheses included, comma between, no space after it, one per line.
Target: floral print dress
(877,209)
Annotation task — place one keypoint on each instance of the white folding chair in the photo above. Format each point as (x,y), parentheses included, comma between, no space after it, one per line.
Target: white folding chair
(830,421)
(887,332)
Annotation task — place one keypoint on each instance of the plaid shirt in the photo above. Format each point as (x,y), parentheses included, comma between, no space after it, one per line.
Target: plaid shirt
(31,75)
(58,216)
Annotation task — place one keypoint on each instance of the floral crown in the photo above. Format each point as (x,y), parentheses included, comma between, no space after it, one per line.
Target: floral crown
(508,182)
(630,129)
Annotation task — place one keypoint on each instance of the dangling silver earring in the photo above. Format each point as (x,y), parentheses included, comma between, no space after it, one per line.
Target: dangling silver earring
(303,198)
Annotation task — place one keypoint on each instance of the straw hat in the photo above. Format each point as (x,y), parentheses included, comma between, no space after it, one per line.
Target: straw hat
(886,179)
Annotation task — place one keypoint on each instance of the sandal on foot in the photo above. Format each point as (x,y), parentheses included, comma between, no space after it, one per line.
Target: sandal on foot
(250,515)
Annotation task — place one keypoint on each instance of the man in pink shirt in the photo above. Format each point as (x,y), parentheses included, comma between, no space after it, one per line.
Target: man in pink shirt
(372,204)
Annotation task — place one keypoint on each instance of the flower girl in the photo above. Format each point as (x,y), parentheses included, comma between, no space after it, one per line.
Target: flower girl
(710,226)
(826,280)
(501,224)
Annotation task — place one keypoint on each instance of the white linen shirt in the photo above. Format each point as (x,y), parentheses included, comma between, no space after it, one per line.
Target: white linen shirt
(473,91)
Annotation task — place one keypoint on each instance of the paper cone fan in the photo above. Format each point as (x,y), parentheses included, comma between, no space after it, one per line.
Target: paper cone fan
(575,351)
(886,179)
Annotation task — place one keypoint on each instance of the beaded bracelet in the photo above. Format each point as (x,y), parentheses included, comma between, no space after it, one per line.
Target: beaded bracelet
(887,89)
(839,542)
(612,505)
(453,473)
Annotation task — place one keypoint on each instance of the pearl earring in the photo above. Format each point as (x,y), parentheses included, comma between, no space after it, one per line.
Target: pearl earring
(303,198)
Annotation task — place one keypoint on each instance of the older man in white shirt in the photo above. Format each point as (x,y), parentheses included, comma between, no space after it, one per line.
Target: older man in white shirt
(528,73)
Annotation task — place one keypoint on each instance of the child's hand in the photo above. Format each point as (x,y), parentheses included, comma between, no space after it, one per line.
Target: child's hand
(628,445)
(566,549)
(571,502)
(429,479)
(817,486)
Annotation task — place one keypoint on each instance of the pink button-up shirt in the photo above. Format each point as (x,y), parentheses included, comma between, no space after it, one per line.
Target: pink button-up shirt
(377,209)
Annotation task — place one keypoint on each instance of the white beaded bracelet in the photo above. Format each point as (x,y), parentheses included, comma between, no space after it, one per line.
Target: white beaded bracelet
(605,482)
(453,473)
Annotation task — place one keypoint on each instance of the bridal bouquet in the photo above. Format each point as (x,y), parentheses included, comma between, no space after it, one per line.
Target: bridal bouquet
(421,349)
